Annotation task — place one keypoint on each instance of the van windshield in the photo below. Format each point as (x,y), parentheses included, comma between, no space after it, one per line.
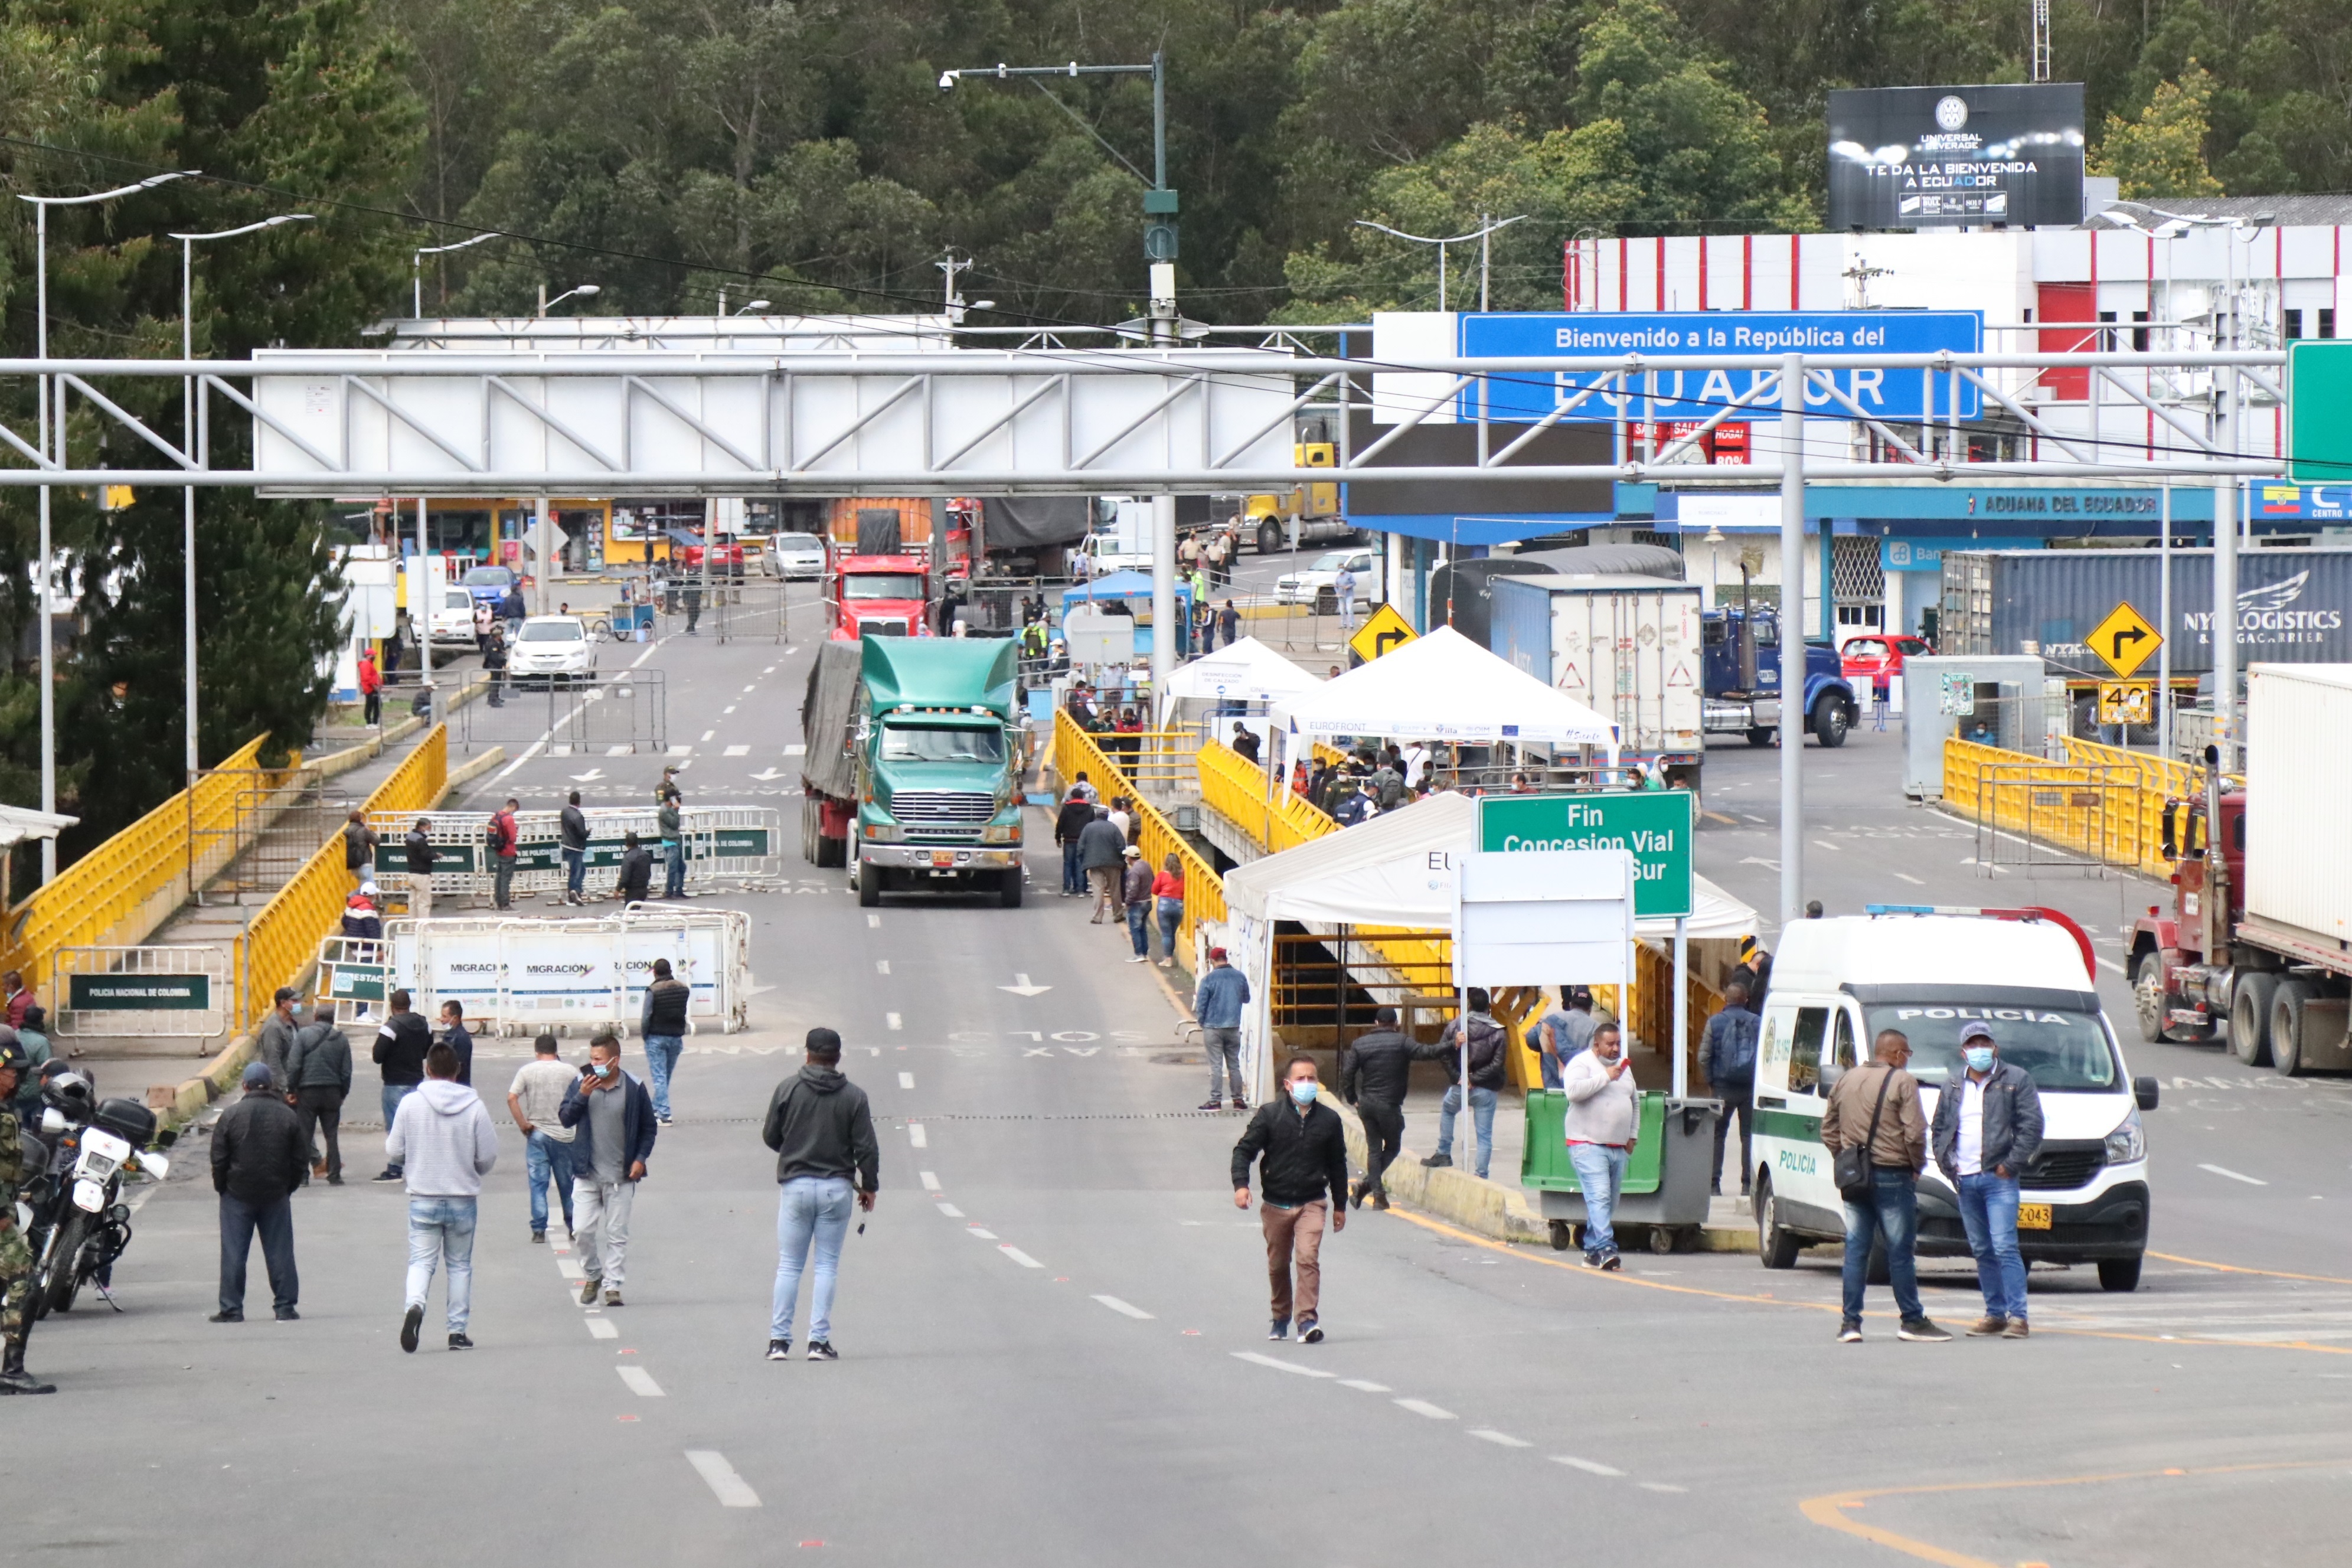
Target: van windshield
(2059,1049)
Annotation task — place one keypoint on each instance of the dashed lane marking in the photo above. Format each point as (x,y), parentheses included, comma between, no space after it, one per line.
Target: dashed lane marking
(603,1328)
(1500,1439)
(730,1489)
(1660,1486)
(1018,1256)
(1366,1386)
(1280,1365)
(708,735)
(905,1080)
(952,1211)
(930,1181)
(738,751)
(1915,882)
(641,1382)
(1590,1466)
(1423,1408)
(570,1270)
(1124,1309)
(681,750)
(916,1136)
(892,1019)
(2235,1175)
(872,922)
(981,1231)
(881,966)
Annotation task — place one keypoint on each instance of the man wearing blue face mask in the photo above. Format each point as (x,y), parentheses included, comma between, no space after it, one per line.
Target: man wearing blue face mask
(1302,1154)
(1986,1131)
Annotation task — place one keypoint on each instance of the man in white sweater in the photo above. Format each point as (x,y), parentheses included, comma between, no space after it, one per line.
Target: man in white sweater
(1604,1117)
(442,1142)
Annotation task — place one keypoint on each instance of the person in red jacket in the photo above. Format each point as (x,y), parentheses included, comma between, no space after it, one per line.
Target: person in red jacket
(504,844)
(371,689)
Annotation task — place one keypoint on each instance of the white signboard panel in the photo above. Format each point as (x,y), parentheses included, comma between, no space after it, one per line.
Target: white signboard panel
(1526,918)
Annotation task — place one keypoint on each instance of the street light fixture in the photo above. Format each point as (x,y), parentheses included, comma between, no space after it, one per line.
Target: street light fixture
(41,205)
(188,440)
(747,310)
(585,291)
(417,267)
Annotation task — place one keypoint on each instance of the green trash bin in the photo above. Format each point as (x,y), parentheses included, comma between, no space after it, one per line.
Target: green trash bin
(1666,1186)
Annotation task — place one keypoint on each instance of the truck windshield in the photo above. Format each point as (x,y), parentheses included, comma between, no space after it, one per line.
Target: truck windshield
(941,743)
(2059,1049)
(881,586)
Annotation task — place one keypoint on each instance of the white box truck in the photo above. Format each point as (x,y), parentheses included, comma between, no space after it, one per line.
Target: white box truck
(1626,648)
(426,581)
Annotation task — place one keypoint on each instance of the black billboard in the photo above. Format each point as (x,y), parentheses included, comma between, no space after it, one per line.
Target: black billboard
(1938,157)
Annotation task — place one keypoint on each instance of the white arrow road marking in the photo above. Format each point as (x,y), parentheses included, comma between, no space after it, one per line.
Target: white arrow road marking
(1123,1308)
(641,1382)
(590,776)
(1024,988)
(769,775)
(2234,1175)
(730,1489)
(1279,1365)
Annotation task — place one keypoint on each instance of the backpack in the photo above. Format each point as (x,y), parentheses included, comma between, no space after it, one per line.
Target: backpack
(1389,786)
(1738,1050)
(502,833)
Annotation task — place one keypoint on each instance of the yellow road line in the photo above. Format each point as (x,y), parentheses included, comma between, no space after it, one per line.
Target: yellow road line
(2238,1269)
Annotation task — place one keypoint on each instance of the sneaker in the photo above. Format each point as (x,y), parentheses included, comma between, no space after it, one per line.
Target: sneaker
(288,1315)
(1210,1105)
(1611,1262)
(1139,958)
(386,1174)
(1592,1260)
(821,1350)
(1281,1329)
(1240,1104)
(612,1297)
(410,1321)
(226,1318)
(1310,1331)
(335,1180)
(1988,1327)
(1922,1330)
(1437,1161)
(588,1290)
(539,1237)
(779,1350)
(1849,1333)
(458,1342)
(2016,1329)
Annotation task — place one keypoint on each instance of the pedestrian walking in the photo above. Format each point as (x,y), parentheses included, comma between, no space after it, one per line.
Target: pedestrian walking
(455,1035)
(1564,1032)
(1727,1056)
(418,843)
(1217,1007)
(827,1159)
(1874,1109)
(1881,691)
(320,1071)
(17,1166)
(1168,905)
(572,833)
(1301,1151)
(259,1157)
(671,820)
(535,1100)
(1343,589)
(1375,1068)
(443,1140)
(1069,823)
(612,1120)
(662,1025)
(277,1042)
(1135,893)
(1229,622)
(1603,1122)
(693,606)
(1987,1131)
(1487,1043)
(635,882)
(505,844)
(400,1045)
(371,689)
(494,660)
(359,848)
(485,621)
(1102,851)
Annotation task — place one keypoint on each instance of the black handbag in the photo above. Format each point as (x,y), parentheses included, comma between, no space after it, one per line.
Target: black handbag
(1851,1169)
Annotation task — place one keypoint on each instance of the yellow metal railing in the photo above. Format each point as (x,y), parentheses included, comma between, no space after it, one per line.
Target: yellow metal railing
(1074,751)
(124,887)
(1235,787)
(284,937)
(2110,811)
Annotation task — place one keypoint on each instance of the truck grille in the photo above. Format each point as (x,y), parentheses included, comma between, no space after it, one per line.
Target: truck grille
(884,628)
(2062,1166)
(938,808)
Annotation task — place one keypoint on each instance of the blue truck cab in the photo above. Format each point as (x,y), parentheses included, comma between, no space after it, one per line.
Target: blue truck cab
(1740,677)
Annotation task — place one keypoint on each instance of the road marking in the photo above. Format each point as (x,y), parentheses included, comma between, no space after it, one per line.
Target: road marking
(905,1080)
(708,735)
(2111,963)
(796,751)
(1591,1467)
(738,751)
(1366,1386)
(893,1019)
(984,1235)
(874,923)
(1280,1365)
(2235,1175)
(1660,1486)
(931,1182)
(730,1489)
(1825,843)
(748,690)
(681,750)
(570,1270)
(952,1211)
(604,1329)
(640,1382)
(1915,882)
(916,1136)
(617,751)
(1023,987)
(1124,1307)
(1500,1439)
(726,711)
(1423,1408)
(1018,1256)
(881,966)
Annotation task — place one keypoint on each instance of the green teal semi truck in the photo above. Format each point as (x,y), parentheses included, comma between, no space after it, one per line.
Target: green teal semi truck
(913,756)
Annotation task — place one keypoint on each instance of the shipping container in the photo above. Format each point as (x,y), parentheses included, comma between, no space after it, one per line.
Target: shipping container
(2291,605)
(2298,834)
(885,525)
(1627,647)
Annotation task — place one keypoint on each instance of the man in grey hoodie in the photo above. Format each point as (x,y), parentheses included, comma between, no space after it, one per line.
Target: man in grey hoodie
(822,1130)
(443,1142)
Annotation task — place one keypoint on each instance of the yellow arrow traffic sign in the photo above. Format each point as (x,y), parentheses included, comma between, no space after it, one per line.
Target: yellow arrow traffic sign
(2124,641)
(1384,630)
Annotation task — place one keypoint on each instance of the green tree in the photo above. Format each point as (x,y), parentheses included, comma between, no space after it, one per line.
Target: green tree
(2162,151)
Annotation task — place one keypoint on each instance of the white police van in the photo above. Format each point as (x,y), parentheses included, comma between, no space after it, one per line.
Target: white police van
(1835,983)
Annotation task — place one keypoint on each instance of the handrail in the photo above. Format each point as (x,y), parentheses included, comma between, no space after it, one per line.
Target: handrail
(1204,890)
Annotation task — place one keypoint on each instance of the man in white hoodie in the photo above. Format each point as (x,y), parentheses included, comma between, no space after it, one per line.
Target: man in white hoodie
(442,1143)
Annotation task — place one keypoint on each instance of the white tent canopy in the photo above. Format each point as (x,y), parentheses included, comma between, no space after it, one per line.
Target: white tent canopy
(1443,687)
(18,823)
(1245,671)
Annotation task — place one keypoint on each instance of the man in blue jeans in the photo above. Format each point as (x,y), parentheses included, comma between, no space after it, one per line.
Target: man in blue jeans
(1987,1128)
(536,1101)
(671,819)
(442,1141)
(1486,1071)
(827,1158)
(1876,1108)
(1604,1121)
(663,1024)
(1217,1007)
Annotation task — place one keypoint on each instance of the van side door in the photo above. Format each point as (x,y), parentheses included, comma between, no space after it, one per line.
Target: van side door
(1789,1099)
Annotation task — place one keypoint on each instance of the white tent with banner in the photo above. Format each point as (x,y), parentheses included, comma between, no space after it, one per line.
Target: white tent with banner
(1397,869)
(1443,687)
(1242,678)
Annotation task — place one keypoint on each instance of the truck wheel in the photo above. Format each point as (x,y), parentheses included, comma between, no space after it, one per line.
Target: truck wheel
(2249,1017)
(2288,1048)
(1269,539)
(1761,737)
(2150,1001)
(2119,1273)
(1830,723)
(1775,1246)
(1009,893)
(809,839)
(869,887)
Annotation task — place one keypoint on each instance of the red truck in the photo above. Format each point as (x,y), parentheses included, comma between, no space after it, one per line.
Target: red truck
(888,595)
(2258,941)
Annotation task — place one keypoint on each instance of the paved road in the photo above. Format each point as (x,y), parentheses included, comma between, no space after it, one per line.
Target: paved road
(1053,1327)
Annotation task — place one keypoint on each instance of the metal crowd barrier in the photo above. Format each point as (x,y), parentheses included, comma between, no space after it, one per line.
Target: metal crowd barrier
(139,992)
(736,847)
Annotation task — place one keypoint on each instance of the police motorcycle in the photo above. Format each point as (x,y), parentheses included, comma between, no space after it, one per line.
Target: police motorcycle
(79,1224)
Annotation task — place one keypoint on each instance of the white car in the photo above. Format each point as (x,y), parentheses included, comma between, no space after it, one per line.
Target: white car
(1316,586)
(794,555)
(552,649)
(453,622)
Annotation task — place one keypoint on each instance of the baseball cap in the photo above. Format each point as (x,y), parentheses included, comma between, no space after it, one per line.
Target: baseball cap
(285,993)
(1976,1029)
(1131,849)
(13,1055)
(255,1074)
(1215,953)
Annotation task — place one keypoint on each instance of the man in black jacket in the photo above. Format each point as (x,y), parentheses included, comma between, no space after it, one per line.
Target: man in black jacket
(636,880)
(259,1157)
(1986,1131)
(573,836)
(1728,1055)
(1487,1070)
(320,1068)
(1301,1149)
(1078,810)
(1374,1072)
(400,1047)
(822,1130)
(421,855)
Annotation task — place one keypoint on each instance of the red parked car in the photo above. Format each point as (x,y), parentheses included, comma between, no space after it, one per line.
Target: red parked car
(1864,658)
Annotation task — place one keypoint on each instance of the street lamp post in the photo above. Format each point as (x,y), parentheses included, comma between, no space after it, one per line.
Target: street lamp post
(188,439)
(417,268)
(41,205)
(585,292)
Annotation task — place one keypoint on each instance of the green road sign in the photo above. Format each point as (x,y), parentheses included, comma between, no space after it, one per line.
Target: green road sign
(1654,824)
(139,992)
(2319,411)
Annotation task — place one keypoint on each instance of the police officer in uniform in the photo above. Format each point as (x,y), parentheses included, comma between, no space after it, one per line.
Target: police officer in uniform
(15,1258)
